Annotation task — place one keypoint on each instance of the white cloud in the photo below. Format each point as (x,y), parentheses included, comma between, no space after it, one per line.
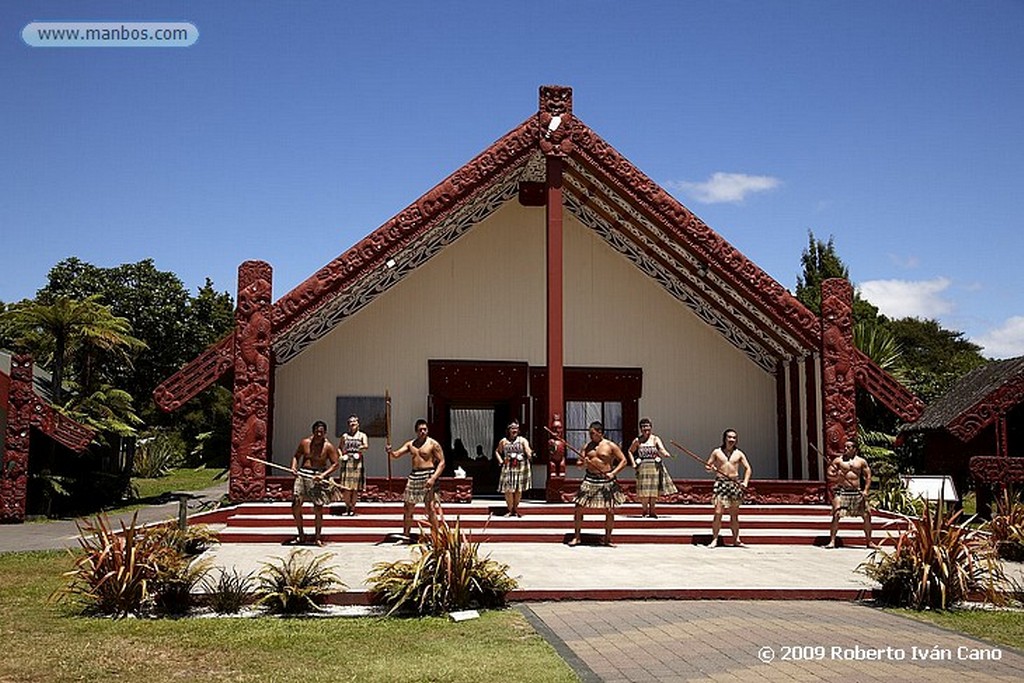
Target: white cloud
(1005,341)
(908,262)
(908,298)
(726,188)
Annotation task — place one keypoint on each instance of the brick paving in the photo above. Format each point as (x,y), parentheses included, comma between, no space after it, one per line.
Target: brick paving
(651,641)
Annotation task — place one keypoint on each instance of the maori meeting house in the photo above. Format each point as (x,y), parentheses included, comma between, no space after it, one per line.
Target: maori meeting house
(547,276)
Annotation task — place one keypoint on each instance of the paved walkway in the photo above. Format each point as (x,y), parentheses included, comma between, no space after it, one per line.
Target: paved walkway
(648,641)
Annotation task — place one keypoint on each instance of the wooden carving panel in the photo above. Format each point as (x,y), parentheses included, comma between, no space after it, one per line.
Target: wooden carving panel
(249,425)
(838,365)
(990,469)
(887,390)
(555,120)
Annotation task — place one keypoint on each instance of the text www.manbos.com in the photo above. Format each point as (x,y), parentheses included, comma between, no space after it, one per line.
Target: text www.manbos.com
(109,34)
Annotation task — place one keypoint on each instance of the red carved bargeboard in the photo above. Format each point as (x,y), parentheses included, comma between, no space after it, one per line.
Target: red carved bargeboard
(253,367)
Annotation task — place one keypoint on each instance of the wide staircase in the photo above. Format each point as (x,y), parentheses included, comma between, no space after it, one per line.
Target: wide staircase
(485,521)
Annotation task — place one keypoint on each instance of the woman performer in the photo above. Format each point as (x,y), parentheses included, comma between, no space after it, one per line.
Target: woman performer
(652,477)
(514,454)
(351,471)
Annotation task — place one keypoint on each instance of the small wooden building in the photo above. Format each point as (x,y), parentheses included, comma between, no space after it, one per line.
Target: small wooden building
(547,276)
(975,431)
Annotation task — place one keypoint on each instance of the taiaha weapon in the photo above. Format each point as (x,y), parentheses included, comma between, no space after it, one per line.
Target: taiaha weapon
(387,430)
(300,473)
(704,462)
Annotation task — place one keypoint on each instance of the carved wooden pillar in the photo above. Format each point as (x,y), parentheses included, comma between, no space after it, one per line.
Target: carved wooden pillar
(14,474)
(838,388)
(253,368)
(555,124)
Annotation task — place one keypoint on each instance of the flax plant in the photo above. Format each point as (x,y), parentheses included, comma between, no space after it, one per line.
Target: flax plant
(446,574)
(115,570)
(938,564)
(298,584)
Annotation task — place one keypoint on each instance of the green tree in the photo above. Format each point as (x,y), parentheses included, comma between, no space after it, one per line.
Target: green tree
(821,262)
(59,329)
(933,357)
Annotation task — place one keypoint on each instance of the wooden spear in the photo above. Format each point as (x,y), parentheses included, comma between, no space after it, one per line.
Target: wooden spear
(300,473)
(704,462)
(387,431)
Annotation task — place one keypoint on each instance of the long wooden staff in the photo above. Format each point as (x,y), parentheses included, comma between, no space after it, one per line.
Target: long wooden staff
(289,471)
(821,456)
(387,430)
(562,439)
(704,462)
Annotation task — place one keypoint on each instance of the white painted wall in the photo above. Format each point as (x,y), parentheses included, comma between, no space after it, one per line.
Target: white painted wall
(483,298)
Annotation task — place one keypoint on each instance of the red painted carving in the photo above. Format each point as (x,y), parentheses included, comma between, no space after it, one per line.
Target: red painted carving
(556,461)
(986,411)
(25,411)
(720,257)
(207,368)
(887,390)
(555,120)
(253,367)
(837,365)
(990,469)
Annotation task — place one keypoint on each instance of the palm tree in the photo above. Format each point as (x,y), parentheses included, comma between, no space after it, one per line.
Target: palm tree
(60,328)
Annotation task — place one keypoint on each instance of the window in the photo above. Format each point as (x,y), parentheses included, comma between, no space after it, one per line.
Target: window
(579,415)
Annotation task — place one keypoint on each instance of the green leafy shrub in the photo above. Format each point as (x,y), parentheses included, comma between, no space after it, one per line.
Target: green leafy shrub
(114,572)
(447,573)
(297,584)
(156,453)
(229,592)
(892,495)
(937,564)
(177,577)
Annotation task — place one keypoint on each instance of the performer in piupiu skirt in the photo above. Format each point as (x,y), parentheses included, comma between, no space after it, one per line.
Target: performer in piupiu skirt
(647,455)
(514,454)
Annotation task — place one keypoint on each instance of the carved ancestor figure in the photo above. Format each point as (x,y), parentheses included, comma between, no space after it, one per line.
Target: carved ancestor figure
(556,448)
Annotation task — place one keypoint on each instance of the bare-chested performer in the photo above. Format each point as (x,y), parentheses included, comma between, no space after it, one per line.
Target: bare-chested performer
(427,465)
(845,473)
(647,454)
(514,454)
(314,461)
(726,462)
(602,460)
(351,470)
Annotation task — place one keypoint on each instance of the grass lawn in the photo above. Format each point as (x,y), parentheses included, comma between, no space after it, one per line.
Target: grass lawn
(47,642)
(182,479)
(1002,627)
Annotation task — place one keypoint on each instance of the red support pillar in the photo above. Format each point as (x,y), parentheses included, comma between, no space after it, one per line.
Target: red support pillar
(555,125)
(838,388)
(253,364)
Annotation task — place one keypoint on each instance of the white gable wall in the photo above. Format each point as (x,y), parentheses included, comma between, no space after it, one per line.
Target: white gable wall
(483,298)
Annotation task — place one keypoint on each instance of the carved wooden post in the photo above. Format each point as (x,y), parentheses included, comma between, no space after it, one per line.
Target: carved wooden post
(838,387)
(253,367)
(555,124)
(14,474)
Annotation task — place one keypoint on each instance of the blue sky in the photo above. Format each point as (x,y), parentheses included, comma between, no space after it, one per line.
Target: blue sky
(289,131)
